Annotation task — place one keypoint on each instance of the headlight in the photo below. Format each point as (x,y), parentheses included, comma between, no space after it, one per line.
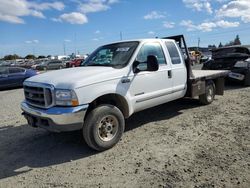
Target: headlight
(66,98)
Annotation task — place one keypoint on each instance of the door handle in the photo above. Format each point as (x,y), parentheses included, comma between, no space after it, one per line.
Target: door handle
(169,74)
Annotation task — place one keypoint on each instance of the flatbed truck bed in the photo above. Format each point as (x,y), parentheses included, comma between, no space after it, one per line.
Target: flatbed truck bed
(208,74)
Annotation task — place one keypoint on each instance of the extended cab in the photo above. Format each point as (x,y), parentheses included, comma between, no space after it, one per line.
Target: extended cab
(114,82)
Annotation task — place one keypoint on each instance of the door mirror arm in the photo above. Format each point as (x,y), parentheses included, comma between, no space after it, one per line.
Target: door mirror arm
(135,67)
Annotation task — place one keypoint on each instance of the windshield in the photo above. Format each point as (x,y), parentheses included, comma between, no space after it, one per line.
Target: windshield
(113,55)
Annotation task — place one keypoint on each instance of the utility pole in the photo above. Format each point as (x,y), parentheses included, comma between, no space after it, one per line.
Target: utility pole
(198,51)
(64,48)
(75,42)
(198,44)
(120,35)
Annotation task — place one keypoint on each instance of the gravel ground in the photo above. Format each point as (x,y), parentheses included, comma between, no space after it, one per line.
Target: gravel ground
(178,144)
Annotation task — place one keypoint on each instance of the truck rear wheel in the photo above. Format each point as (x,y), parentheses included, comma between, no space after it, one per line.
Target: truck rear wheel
(103,127)
(208,96)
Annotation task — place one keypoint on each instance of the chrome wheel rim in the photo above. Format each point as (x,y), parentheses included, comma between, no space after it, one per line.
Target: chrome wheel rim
(108,128)
(210,94)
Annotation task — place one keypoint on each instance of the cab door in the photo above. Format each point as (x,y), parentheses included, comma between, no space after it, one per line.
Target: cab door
(149,89)
(4,74)
(179,71)
(16,76)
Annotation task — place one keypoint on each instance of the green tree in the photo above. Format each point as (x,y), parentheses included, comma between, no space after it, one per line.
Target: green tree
(220,45)
(40,57)
(30,56)
(237,40)
(11,57)
(212,46)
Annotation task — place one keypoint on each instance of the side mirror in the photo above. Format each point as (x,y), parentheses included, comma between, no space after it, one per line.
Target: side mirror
(150,65)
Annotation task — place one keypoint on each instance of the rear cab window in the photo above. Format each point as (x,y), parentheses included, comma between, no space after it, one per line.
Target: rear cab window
(173,52)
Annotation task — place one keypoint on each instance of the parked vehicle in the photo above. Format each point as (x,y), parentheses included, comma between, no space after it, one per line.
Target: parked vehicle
(114,82)
(5,63)
(50,65)
(75,63)
(2,63)
(233,58)
(14,76)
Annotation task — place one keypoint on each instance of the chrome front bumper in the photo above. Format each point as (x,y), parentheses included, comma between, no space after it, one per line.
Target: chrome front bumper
(56,119)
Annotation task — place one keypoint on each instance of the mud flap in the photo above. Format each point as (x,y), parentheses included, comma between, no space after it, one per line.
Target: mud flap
(247,78)
(219,86)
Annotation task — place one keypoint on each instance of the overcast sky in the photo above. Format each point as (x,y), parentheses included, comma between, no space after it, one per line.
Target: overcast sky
(45,27)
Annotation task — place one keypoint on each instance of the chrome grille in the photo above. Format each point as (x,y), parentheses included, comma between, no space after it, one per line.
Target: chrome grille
(38,96)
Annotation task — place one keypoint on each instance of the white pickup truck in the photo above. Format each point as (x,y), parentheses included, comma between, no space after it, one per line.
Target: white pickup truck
(114,82)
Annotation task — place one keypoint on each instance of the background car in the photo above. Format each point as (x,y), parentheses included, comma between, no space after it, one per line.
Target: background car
(75,63)
(14,76)
(50,65)
(5,63)
(233,58)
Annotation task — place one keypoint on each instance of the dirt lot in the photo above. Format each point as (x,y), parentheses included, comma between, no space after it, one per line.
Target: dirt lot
(179,144)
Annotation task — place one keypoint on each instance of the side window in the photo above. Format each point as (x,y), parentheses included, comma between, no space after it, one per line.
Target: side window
(173,52)
(3,71)
(15,70)
(151,49)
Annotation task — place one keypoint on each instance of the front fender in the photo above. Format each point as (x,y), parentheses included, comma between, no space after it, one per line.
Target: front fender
(89,93)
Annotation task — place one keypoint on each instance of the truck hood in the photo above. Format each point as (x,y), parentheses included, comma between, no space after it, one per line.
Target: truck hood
(73,78)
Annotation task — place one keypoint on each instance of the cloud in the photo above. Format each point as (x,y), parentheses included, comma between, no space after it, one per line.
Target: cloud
(67,40)
(91,6)
(199,5)
(154,15)
(72,18)
(44,6)
(168,25)
(97,32)
(28,41)
(37,14)
(208,26)
(226,24)
(32,41)
(11,19)
(236,9)
(151,33)
(13,11)
(35,41)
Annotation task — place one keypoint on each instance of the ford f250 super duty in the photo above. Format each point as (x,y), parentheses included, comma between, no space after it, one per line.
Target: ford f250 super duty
(114,82)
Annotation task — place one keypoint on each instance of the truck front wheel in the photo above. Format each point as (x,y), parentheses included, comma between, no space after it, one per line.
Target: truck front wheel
(208,96)
(103,127)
